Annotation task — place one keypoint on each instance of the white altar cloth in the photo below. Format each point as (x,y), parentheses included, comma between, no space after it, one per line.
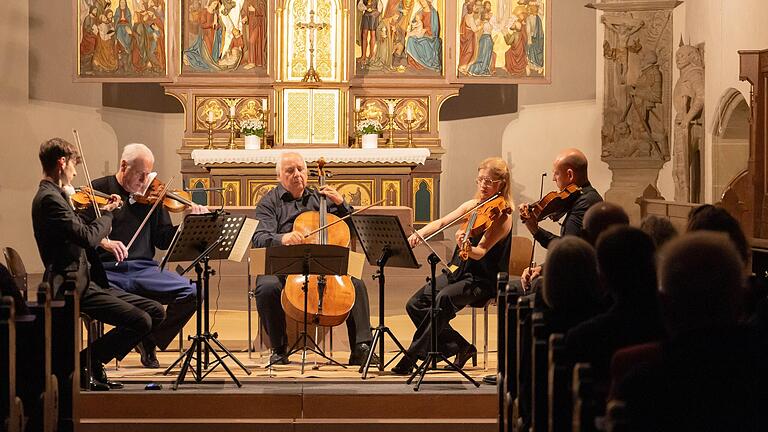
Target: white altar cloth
(331,155)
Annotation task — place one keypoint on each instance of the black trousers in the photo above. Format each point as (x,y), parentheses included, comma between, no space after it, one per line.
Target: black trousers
(132,316)
(268,291)
(451,298)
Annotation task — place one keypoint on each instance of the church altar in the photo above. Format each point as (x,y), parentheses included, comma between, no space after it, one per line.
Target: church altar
(400,176)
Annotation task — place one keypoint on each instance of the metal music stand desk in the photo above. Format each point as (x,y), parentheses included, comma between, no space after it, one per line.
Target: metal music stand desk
(306,259)
(199,239)
(385,244)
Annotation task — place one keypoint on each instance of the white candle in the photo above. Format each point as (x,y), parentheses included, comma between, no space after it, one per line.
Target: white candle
(357,104)
(391,107)
(263,104)
(232,111)
(210,116)
(409,114)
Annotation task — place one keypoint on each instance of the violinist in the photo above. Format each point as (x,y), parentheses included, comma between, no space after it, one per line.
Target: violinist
(569,168)
(474,284)
(276,213)
(62,240)
(137,271)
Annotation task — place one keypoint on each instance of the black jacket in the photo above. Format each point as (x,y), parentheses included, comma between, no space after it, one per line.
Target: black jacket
(573,224)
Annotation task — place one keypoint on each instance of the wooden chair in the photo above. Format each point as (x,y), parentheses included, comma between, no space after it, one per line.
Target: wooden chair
(65,324)
(521,415)
(559,380)
(584,401)
(11,407)
(507,378)
(519,256)
(17,269)
(539,371)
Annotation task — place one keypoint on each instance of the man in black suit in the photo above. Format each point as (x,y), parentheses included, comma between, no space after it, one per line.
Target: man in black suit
(62,239)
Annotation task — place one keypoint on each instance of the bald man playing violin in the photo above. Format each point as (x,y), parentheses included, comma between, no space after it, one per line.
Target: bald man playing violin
(569,167)
(276,213)
(135,270)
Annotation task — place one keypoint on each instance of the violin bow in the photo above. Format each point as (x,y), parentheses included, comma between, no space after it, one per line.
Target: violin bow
(343,218)
(152,210)
(96,209)
(533,248)
(453,222)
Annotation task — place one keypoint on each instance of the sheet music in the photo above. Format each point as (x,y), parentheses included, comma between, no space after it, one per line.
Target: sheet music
(243,242)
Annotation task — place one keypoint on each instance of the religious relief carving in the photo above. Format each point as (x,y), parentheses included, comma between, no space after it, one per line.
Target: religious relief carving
(688,100)
(378,109)
(502,39)
(257,190)
(125,40)
(224,36)
(356,192)
(399,37)
(637,85)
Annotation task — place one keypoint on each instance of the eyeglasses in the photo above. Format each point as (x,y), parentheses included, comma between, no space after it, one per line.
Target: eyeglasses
(486,181)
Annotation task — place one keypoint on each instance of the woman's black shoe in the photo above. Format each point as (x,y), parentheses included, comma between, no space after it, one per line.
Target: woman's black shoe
(463,356)
(404,366)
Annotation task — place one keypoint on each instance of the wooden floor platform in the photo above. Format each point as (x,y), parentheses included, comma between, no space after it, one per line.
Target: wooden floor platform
(329,398)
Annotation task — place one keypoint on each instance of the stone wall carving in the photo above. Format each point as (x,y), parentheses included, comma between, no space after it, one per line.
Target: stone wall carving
(688,100)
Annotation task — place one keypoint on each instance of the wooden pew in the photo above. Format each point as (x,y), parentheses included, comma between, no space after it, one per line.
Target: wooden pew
(11,407)
(539,371)
(66,356)
(502,280)
(559,380)
(521,414)
(584,400)
(509,367)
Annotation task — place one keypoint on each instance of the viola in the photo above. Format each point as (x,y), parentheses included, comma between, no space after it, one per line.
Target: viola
(329,298)
(553,205)
(84,196)
(174,200)
(481,220)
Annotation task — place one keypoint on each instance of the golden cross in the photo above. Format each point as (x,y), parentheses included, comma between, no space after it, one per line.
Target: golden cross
(311,27)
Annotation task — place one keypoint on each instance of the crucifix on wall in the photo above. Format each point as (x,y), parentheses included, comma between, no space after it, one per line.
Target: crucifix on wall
(311,27)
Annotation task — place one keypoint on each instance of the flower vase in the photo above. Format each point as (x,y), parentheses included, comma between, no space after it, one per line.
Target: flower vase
(252,142)
(370,141)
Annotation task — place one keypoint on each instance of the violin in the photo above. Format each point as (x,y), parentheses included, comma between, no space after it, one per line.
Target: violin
(329,298)
(84,195)
(481,220)
(553,205)
(174,200)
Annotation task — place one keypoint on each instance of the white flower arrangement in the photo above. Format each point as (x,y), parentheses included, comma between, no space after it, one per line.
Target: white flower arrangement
(252,127)
(369,126)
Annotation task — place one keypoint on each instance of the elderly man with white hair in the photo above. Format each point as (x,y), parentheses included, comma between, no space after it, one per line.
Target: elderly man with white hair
(135,270)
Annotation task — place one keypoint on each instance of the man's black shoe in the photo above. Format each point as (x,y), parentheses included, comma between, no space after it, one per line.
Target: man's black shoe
(87,383)
(360,354)
(490,379)
(148,356)
(404,366)
(278,356)
(463,356)
(100,375)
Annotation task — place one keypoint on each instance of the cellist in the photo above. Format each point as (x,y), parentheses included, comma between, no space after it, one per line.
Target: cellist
(569,167)
(276,213)
(475,283)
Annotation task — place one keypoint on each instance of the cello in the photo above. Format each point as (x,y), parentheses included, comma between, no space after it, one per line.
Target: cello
(329,298)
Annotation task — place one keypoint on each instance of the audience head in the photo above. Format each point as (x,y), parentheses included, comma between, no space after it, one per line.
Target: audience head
(659,228)
(136,164)
(600,217)
(58,159)
(570,274)
(700,281)
(292,173)
(710,218)
(570,167)
(627,264)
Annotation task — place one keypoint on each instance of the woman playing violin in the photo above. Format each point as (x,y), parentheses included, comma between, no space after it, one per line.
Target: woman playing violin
(135,270)
(569,168)
(474,282)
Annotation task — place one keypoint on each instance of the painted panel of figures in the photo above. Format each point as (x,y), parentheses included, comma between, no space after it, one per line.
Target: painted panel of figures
(122,39)
(224,36)
(399,37)
(501,39)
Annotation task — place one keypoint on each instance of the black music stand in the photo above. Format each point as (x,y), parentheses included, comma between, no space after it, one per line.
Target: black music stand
(306,259)
(430,362)
(199,239)
(384,243)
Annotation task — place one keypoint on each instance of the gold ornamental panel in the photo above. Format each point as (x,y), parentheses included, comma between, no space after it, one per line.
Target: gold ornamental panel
(199,197)
(296,119)
(245,108)
(390,191)
(356,192)
(231,192)
(377,108)
(423,199)
(257,189)
(324,118)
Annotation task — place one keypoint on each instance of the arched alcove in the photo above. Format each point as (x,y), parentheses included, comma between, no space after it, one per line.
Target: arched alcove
(730,140)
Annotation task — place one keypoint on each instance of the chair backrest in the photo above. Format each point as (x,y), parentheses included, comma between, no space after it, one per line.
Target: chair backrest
(17,269)
(520,255)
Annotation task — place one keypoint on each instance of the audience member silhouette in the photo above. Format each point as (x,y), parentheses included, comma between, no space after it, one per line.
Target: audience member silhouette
(659,228)
(600,217)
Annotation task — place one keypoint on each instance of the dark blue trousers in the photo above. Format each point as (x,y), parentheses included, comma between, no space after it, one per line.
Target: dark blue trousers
(144,278)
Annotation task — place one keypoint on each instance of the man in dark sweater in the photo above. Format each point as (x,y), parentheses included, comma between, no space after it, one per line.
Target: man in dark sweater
(135,270)
(62,239)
